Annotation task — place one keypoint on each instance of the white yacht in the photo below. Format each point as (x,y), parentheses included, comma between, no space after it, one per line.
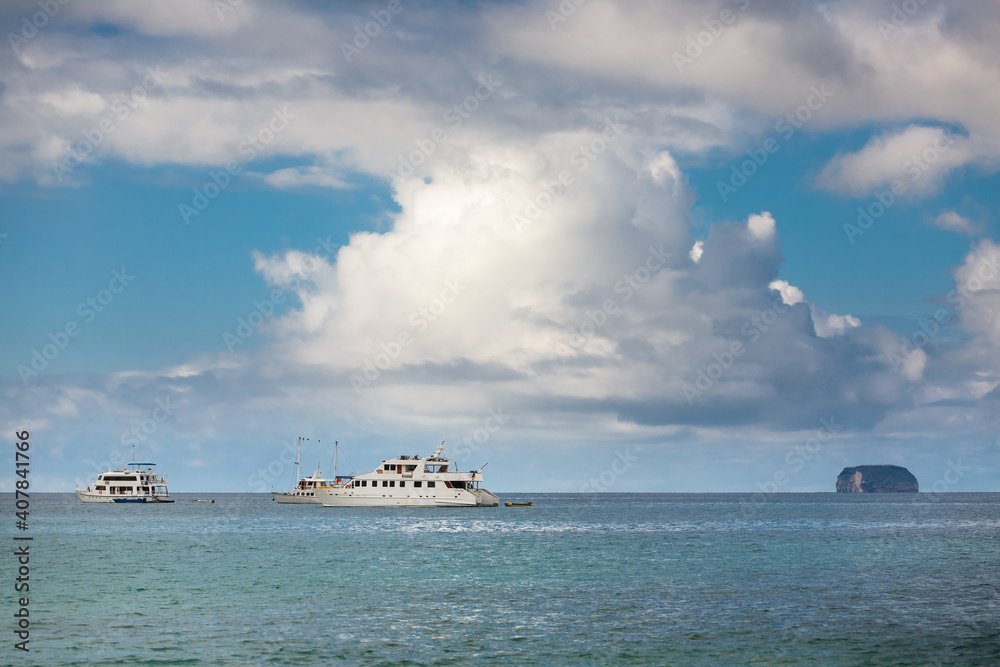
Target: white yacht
(304,492)
(410,481)
(135,483)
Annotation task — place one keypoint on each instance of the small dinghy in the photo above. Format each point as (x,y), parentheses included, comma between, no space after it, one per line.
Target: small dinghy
(519,504)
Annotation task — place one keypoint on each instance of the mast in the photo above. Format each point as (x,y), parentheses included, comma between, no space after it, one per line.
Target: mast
(335,443)
(298,455)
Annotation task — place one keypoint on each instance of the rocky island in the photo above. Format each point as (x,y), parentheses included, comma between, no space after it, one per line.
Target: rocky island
(877,479)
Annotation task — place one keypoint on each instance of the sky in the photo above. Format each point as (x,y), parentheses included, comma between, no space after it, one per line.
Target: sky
(600,246)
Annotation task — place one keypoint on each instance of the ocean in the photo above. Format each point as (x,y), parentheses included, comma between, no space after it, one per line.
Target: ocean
(595,579)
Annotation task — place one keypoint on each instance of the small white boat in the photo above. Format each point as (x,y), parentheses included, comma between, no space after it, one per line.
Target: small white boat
(410,481)
(304,492)
(132,484)
(200,500)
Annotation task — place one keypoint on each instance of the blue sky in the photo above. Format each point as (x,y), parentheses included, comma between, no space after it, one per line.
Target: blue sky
(600,321)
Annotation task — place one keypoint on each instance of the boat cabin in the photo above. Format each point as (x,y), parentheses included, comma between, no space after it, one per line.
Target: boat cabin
(134,480)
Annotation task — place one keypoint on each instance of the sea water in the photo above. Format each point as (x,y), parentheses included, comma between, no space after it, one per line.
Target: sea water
(596,579)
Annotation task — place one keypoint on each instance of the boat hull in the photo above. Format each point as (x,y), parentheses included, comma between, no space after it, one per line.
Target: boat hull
(96,497)
(453,498)
(294,499)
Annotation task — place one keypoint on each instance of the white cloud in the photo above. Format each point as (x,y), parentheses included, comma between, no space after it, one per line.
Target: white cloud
(832,325)
(696,251)
(826,325)
(918,158)
(176,18)
(977,290)
(293,177)
(761,226)
(790,294)
(953,222)
(74,101)
(913,365)
(763,66)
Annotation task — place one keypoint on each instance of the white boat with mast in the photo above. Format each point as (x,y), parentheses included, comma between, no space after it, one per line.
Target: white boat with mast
(410,481)
(304,492)
(135,483)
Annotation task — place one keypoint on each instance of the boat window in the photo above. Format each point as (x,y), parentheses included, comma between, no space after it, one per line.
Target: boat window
(364,482)
(100,488)
(392,483)
(430,485)
(385,482)
(410,468)
(402,484)
(417,485)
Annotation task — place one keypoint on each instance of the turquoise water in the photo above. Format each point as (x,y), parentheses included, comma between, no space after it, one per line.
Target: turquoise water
(629,579)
